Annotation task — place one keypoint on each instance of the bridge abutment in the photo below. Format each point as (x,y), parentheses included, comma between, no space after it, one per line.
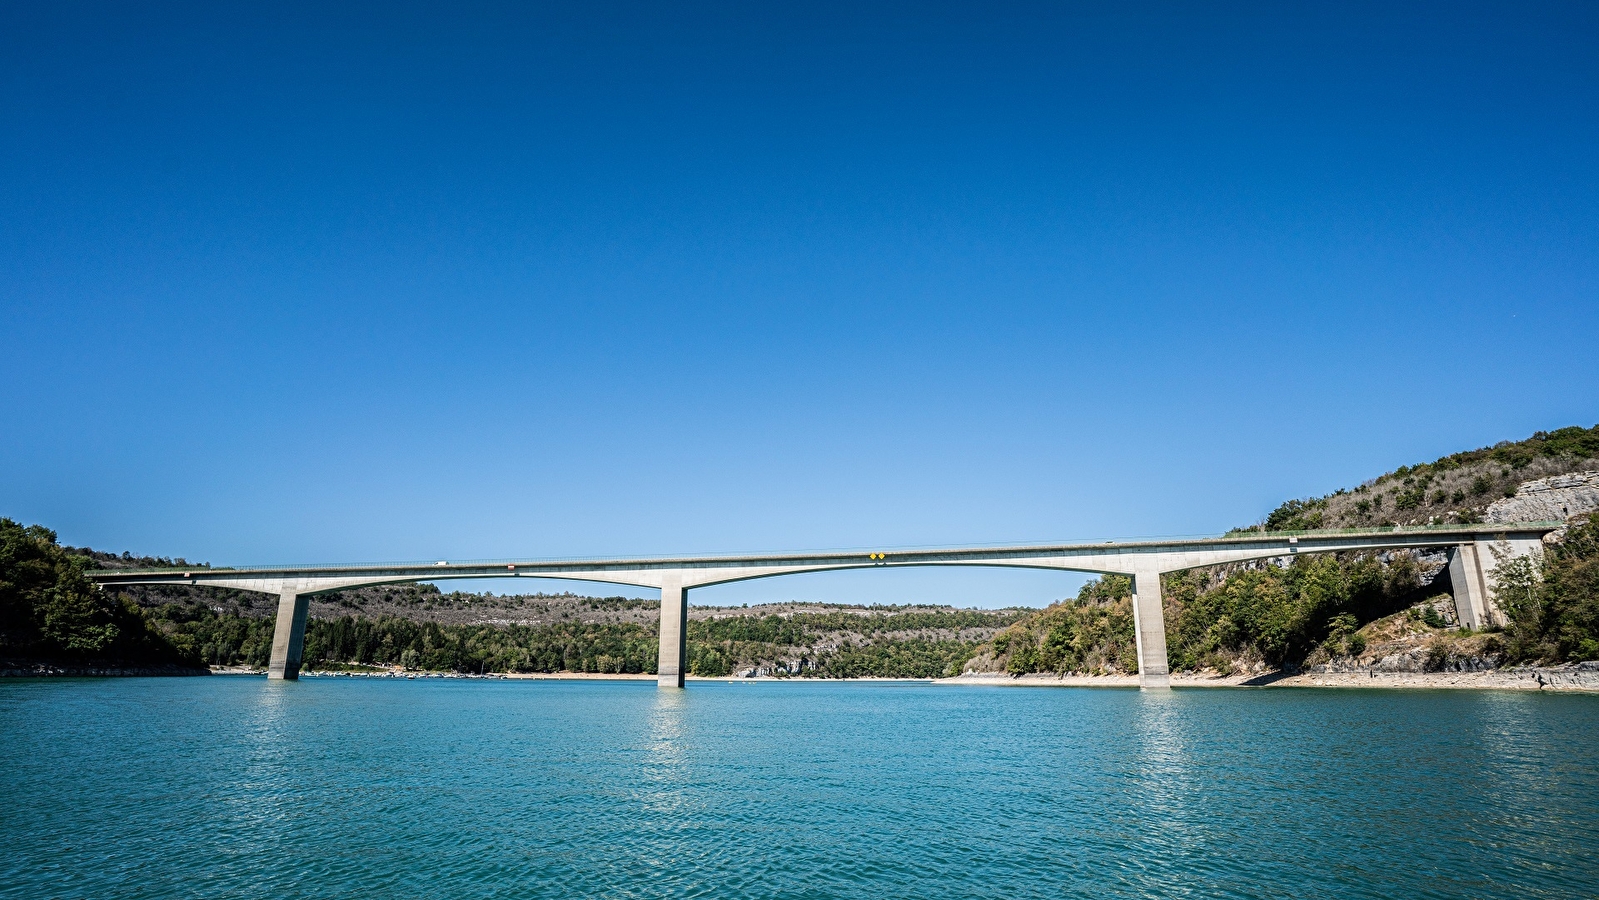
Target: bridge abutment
(1471,576)
(1149,628)
(288,637)
(671,663)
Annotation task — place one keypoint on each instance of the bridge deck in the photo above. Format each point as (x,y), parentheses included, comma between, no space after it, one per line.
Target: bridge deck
(1276,542)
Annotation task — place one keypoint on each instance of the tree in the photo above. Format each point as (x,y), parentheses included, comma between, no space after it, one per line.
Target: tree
(1553,608)
(50,610)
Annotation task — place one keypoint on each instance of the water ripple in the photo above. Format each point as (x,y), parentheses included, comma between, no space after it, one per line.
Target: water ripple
(349,788)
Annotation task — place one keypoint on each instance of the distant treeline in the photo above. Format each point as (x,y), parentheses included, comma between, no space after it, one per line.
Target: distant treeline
(841,645)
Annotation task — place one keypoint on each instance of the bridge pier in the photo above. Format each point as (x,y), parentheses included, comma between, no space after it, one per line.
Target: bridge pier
(288,637)
(671,663)
(1149,628)
(1468,581)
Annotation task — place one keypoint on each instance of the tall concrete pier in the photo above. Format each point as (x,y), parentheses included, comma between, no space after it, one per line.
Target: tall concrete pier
(672,663)
(1475,553)
(1149,629)
(288,636)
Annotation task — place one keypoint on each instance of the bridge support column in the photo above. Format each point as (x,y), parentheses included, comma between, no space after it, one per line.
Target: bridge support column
(1149,627)
(1469,582)
(288,637)
(672,662)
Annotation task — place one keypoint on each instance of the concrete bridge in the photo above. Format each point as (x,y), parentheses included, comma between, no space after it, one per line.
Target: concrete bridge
(1473,554)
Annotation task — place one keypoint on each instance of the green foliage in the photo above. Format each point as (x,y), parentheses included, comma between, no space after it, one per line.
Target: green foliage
(1339,628)
(1276,614)
(708,661)
(887,642)
(1297,515)
(50,611)
(875,644)
(1094,632)
(1573,441)
(1283,614)
(1106,589)
(1514,456)
(762,629)
(1414,495)
(1410,498)
(559,647)
(1517,583)
(902,658)
(1342,639)
(1431,617)
(1554,609)
(213,639)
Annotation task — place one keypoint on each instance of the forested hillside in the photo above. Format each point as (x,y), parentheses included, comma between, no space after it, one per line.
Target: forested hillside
(1458,488)
(1281,613)
(51,613)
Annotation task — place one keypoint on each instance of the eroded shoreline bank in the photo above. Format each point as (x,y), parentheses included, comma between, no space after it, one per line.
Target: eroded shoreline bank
(1576,677)
(1579,677)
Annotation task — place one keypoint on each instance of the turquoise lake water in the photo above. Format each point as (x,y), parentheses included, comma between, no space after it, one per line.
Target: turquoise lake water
(363,788)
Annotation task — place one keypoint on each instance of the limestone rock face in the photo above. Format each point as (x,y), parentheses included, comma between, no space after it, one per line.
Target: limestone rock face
(1553,499)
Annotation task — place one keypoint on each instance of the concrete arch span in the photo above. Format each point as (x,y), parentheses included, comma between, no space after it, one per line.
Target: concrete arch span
(1475,551)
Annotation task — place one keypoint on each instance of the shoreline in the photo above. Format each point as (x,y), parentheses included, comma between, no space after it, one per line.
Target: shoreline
(1572,678)
(74,670)
(1576,678)
(562,676)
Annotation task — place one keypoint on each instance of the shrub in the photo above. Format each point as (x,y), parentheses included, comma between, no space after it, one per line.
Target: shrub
(1297,515)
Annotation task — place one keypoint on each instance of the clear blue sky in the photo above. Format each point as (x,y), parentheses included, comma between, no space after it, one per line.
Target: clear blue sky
(285,284)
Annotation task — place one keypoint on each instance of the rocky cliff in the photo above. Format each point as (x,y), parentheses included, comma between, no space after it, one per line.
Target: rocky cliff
(1553,499)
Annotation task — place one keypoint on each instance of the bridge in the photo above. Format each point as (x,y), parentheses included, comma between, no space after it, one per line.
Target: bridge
(1474,551)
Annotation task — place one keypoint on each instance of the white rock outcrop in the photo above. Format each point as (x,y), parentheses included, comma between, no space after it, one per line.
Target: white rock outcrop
(1553,499)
